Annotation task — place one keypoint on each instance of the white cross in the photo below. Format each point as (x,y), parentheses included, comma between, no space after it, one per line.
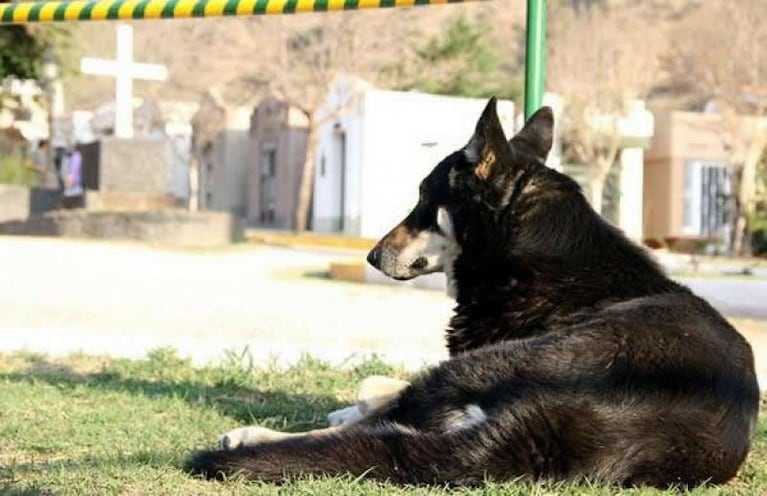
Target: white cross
(124,70)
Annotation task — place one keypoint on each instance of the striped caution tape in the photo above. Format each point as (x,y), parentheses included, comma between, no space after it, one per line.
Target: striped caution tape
(97,10)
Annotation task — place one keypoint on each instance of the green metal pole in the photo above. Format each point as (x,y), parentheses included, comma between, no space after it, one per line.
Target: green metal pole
(535,56)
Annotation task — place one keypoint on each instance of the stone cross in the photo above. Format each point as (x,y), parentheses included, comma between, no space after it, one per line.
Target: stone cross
(124,70)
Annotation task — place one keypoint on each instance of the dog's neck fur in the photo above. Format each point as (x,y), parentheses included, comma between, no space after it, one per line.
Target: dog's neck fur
(523,291)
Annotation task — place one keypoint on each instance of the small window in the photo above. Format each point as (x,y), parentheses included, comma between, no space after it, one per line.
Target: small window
(705,199)
(269,162)
(690,207)
(322,166)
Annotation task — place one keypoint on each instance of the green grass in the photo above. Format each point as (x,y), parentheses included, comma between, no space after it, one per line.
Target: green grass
(13,171)
(86,425)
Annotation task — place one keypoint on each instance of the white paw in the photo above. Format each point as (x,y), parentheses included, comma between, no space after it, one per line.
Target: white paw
(346,415)
(246,436)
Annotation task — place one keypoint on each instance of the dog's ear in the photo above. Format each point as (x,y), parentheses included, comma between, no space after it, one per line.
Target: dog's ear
(536,136)
(488,151)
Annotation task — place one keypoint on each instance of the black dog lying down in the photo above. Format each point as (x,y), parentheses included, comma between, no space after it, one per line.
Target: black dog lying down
(572,354)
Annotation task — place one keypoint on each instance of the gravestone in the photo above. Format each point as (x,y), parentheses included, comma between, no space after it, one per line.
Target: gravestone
(124,171)
(123,174)
(136,165)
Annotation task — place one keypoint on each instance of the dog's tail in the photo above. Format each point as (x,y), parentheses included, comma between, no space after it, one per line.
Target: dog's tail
(384,452)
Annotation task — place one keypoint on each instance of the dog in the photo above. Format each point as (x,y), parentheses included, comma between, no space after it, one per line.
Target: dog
(572,355)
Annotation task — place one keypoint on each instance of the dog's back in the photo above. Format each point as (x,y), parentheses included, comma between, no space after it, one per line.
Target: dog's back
(573,355)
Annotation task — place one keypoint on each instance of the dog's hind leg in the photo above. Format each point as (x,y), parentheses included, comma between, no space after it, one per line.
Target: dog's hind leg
(377,390)
(252,435)
(384,452)
(373,393)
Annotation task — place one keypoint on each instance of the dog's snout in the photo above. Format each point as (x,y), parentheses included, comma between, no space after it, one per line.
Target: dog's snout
(374,257)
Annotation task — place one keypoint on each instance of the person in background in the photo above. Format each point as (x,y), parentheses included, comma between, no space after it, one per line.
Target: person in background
(40,161)
(72,174)
(59,157)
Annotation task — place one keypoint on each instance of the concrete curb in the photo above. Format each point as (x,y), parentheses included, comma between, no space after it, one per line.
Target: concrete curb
(177,227)
(308,240)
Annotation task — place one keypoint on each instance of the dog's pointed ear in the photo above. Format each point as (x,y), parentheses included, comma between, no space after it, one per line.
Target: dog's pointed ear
(537,134)
(488,149)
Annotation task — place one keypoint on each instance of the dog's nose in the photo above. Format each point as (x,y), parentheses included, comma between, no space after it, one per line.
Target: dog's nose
(374,257)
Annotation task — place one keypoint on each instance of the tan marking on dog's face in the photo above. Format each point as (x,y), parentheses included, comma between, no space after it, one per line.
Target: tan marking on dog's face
(398,238)
(485,165)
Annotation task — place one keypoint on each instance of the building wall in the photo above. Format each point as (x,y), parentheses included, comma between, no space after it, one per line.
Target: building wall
(177,118)
(657,198)
(276,126)
(337,197)
(657,181)
(236,158)
(393,140)
(679,137)
(405,134)
(225,171)
(134,165)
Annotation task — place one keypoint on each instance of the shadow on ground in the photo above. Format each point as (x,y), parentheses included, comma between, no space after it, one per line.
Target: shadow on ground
(226,389)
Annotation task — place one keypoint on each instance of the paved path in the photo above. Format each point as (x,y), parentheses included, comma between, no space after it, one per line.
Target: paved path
(60,296)
(734,296)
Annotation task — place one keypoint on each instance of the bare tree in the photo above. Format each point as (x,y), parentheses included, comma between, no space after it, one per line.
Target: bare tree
(296,59)
(235,54)
(599,60)
(311,54)
(719,56)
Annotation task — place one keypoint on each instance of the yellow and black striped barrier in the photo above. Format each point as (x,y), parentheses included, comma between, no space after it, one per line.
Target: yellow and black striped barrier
(98,10)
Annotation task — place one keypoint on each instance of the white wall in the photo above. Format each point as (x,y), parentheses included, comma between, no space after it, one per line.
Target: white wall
(177,117)
(178,152)
(393,140)
(405,135)
(327,187)
(228,183)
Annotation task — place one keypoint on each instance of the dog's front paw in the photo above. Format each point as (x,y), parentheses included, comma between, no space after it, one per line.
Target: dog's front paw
(246,436)
(346,415)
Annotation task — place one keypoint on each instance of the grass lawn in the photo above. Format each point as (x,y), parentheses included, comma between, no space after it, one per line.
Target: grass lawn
(85,425)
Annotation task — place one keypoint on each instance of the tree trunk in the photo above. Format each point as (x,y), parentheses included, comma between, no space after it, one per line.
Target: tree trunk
(304,200)
(740,233)
(597,190)
(602,164)
(193,204)
(744,186)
